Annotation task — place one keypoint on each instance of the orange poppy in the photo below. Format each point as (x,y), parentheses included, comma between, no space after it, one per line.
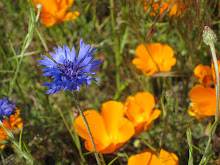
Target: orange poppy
(13,124)
(149,157)
(110,129)
(153,58)
(203,101)
(203,74)
(140,111)
(177,9)
(55,11)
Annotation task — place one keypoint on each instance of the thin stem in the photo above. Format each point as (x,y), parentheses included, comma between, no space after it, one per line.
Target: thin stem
(165,115)
(87,126)
(214,126)
(116,44)
(70,132)
(25,45)
(147,144)
(212,47)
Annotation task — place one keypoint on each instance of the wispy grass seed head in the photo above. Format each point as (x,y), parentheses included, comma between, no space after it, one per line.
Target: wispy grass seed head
(69,71)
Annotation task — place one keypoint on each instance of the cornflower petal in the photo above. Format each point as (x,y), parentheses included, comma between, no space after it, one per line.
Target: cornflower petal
(7,107)
(47,62)
(73,55)
(68,71)
(9,115)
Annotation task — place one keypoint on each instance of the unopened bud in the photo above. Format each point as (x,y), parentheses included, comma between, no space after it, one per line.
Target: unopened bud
(209,36)
(39,6)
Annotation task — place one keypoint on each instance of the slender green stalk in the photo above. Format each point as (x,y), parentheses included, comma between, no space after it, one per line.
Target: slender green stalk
(212,47)
(116,44)
(189,139)
(25,45)
(87,126)
(165,119)
(2,157)
(70,132)
(102,159)
(209,38)
(147,144)
(17,146)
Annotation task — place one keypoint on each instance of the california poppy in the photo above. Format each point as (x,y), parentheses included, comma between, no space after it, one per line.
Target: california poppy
(140,111)
(149,157)
(203,101)
(153,58)
(55,11)
(13,123)
(110,129)
(204,74)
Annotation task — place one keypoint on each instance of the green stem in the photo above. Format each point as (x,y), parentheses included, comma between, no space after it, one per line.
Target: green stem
(147,144)
(165,119)
(116,44)
(87,126)
(25,45)
(214,126)
(70,132)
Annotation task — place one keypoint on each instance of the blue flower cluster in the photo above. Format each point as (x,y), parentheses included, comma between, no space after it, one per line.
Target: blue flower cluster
(7,108)
(69,71)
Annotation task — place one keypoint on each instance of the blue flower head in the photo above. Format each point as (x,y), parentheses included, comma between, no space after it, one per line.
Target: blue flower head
(7,108)
(69,71)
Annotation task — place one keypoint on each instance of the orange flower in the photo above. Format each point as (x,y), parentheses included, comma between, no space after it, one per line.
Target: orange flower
(155,57)
(55,11)
(177,8)
(154,6)
(149,157)
(203,74)
(13,123)
(140,111)
(203,102)
(110,129)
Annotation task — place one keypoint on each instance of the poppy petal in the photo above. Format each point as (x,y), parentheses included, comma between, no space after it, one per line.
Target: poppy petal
(97,128)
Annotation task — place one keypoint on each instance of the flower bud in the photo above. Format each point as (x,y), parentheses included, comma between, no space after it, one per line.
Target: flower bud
(208,36)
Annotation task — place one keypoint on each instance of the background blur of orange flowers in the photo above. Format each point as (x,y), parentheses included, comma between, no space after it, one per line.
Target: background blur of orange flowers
(140,111)
(13,124)
(153,58)
(110,129)
(177,8)
(55,11)
(149,157)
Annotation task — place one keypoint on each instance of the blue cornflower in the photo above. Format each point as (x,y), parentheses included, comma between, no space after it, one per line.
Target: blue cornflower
(68,71)
(7,108)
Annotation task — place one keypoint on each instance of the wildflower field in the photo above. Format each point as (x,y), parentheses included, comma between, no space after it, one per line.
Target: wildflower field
(111,82)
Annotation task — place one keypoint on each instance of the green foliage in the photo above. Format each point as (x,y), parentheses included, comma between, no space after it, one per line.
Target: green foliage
(117,28)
